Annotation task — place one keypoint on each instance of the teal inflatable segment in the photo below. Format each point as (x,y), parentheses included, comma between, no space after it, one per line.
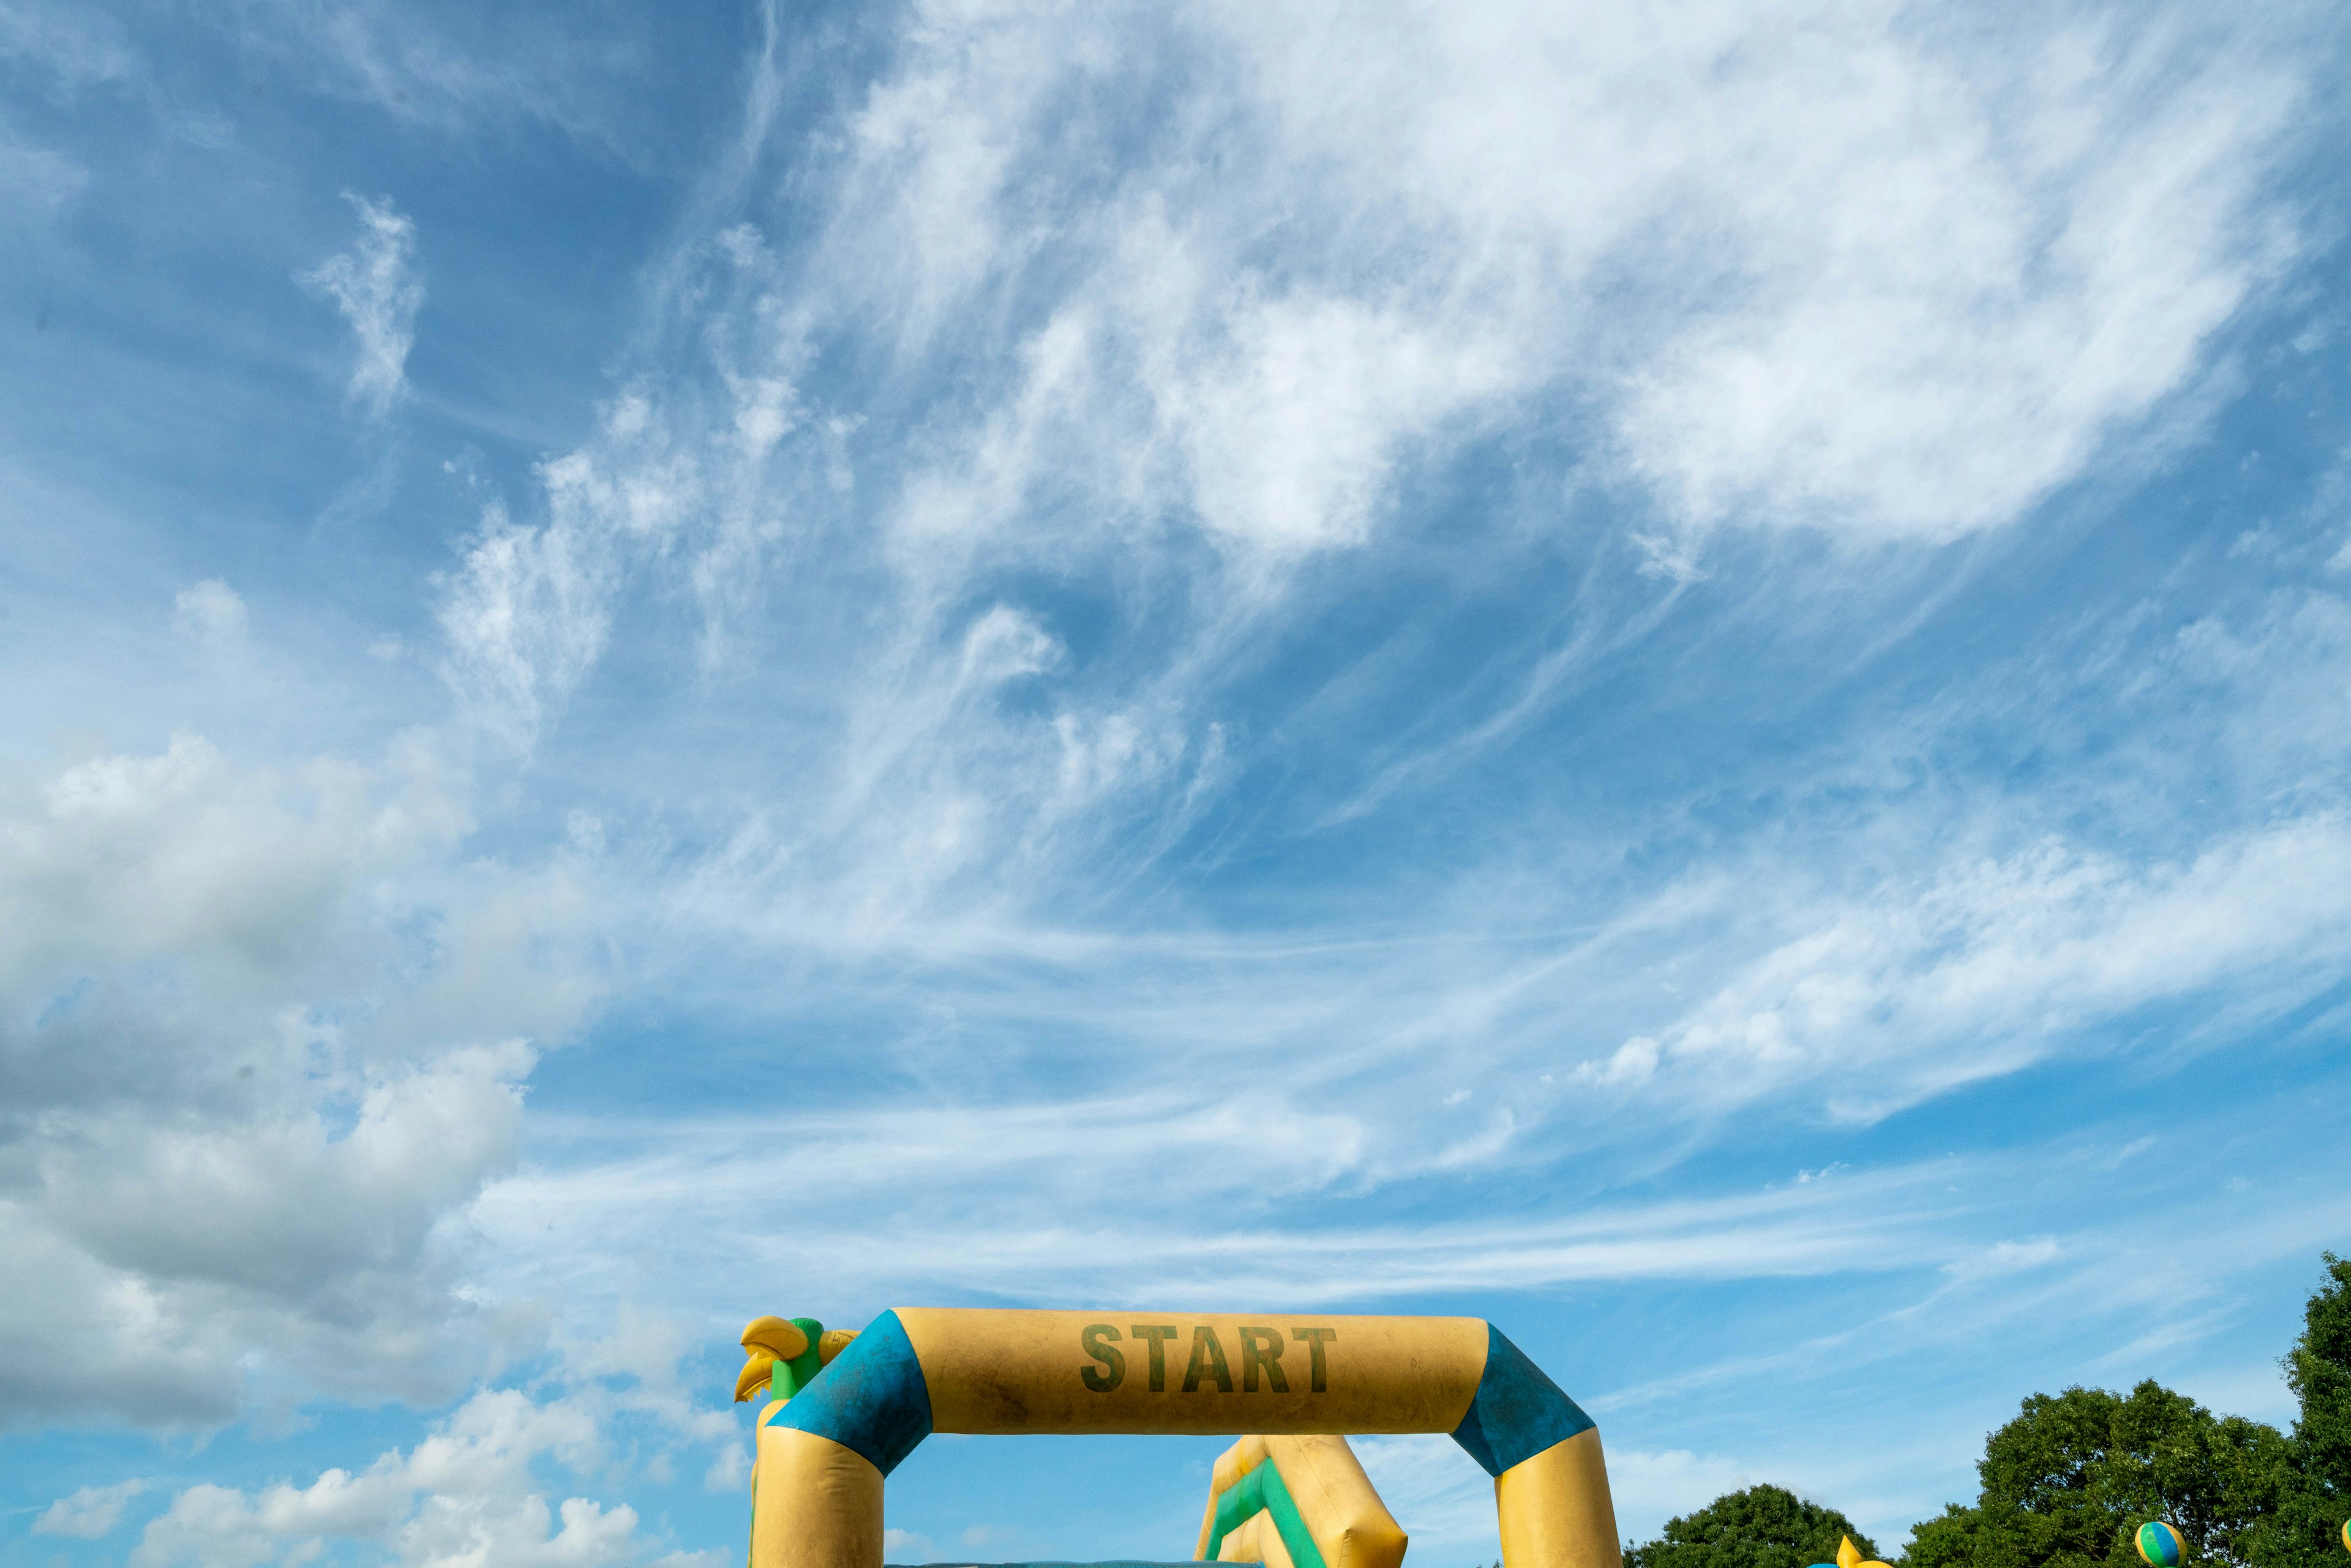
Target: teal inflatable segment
(1517,1412)
(872,1399)
(1264,1489)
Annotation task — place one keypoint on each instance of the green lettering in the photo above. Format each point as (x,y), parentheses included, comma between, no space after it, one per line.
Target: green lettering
(1208,1355)
(1317,1369)
(1096,1342)
(1267,1355)
(1158,1334)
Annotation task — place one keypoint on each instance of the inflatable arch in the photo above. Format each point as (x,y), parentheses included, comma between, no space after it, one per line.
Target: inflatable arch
(845,1420)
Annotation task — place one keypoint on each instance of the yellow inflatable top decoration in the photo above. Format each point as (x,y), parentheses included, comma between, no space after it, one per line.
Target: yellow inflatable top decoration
(1849,1556)
(784,1354)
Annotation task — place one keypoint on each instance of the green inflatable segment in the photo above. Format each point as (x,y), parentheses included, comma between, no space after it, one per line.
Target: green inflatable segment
(1263,1489)
(790,1376)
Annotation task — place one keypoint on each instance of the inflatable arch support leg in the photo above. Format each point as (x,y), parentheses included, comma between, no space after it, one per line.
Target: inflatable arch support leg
(817,1484)
(1297,1502)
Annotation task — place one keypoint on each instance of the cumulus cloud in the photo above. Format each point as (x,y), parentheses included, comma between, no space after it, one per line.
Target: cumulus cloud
(466,1494)
(908,1543)
(376,287)
(245,1082)
(209,613)
(90,1514)
(475,1489)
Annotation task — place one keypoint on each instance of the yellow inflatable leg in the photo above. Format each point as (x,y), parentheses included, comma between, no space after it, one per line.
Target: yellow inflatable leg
(816,1504)
(1555,1511)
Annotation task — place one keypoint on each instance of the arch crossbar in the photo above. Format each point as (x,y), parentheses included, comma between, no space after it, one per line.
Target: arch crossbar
(822,1456)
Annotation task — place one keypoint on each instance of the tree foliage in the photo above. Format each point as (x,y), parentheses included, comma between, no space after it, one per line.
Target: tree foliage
(1761,1527)
(2067,1483)
(2318,1369)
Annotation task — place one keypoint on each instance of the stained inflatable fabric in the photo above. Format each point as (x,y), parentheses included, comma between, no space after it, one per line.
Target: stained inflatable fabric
(1263,1489)
(1258,1540)
(871,1400)
(1341,1513)
(1554,1510)
(1517,1412)
(1003,1370)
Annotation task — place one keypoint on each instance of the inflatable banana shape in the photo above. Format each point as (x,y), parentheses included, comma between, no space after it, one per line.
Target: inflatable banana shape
(1849,1556)
(784,1352)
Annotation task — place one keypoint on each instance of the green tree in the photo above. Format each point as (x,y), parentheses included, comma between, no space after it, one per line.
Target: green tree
(2068,1482)
(1761,1527)
(2219,1481)
(2318,1369)
(2039,1507)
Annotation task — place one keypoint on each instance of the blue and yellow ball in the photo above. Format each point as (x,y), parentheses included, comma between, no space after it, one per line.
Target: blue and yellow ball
(2160,1545)
(2346,1535)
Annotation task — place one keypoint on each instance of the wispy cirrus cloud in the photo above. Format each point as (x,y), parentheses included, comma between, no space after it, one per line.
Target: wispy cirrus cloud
(379,290)
(1156,415)
(1993,964)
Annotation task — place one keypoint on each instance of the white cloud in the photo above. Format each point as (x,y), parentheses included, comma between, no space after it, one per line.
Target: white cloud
(209,611)
(730,1472)
(376,287)
(2003,1258)
(1003,1223)
(1949,280)
(76,46)
(90,1514)
(35,182)
(1981,968)
(473,1489)
(465,1494)
(1650,1488)
(1176,391)
(247,1083)
(1436,1491)
(529,609)
(451,71)
(1825,265)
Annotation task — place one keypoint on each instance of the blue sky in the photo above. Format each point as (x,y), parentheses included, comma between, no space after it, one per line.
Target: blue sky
(1678,675)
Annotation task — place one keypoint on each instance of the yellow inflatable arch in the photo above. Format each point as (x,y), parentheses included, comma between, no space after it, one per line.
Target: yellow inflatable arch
(824,1448)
